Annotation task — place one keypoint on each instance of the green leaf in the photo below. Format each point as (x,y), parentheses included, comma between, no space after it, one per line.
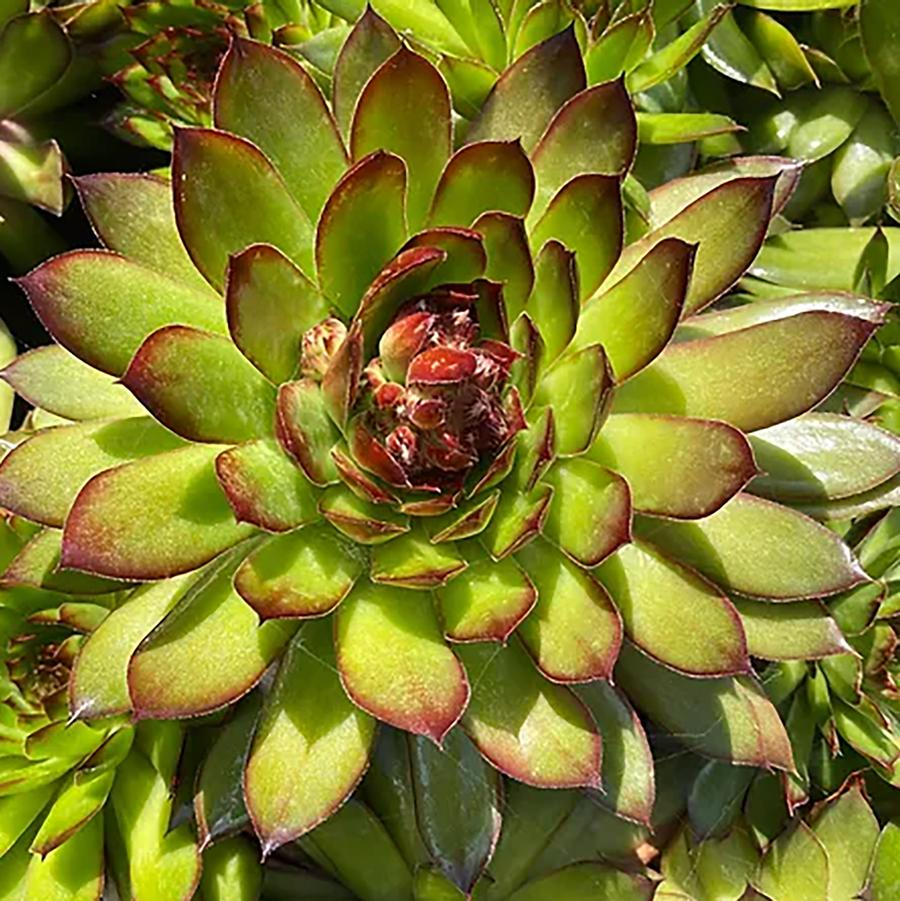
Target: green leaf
(586,882)
(620,48)
(682,128)
(133,215)
(760,549)
(574,632)
(270,304)
(419,686)
(482,177)
(360,520)
(265,488)
(531,729)
(305,147)
(727,718)
(152,518)
(163,679)
(673,615)
(361,227)
(41,477)
(34,54)
(825,119)
(593,134)
(821,455)
(371,42)
(707,462)
(554,302)
(799,631)
(76,804)
(231,871)
(470,82)
(529,92)
(98,686)
(458,806)
(305,430)
(783,367)
(303,573)
(586,217)
(508,258)
(405,97)
(213,173)
(18,812)
(72,871)
(52,379)
(413,561)
(885,878)
(34,173)
(794,866)
(311,746)
(781,51)
(101,306)
(177,365)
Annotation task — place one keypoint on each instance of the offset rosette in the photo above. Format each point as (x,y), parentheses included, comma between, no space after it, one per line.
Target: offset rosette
(453,447)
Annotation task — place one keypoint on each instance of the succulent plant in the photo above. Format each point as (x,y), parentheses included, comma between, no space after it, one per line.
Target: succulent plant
(437,454)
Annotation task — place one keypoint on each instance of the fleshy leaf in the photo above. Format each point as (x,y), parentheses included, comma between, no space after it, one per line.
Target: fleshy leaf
(152,518)
(177,365)
(529,93)
(635,318)
(583,881)
(727,718)
(487,601)
(508,258)
(784,367)
(518,518)
(99,684)
(214,615)
(879,26)
(311,746)
(798,631)
(594,133)
(405,98)
(760,549)
(304,573)
(305,147)
(52,379)
(305,430)
(537,732)
(264,487)
(417,685)
(488,176)
(554,302)
(574,632)
(270,304)
(707,462)
(412,561)
(586,216)
(361,227)
(40,478)
(821,455)
(102,306)
(722,256)
(34,54)
(795,865)
(213,174)
(590,515)
(673,615)
(360,520)
(464,248)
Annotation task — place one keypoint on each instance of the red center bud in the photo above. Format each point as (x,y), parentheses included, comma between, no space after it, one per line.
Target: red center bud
(319,344)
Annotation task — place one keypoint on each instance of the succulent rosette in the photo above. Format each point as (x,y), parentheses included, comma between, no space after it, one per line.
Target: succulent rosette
(448,452)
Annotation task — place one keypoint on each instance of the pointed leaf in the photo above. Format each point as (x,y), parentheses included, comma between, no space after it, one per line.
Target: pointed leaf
(34,54)
(466,259)
(404,98)
(213,173)
(532,730)
(594,133)
(265,488)
(418,685)
(163,679)
(177,365)
(361,227)
(586,882)
(508,258)
(784,367)
(518,518)
(311,747)
(673,615)
(800,631)
(40,478)
(75,805)
(879,27)
(305,573)
(530,91)
(102,306)
(483,177)
(554,302)
(795,865)
(586,216)
(360,520)
(728,718)
(574,632)
(133,215)
(152,518)
(305,146)
(99,683)
(52,379)
(885,876)
(707,462)
(760,549)
(412,561)
(270,304)
(305,430)
(635,318)
(74,870)
(590,515)
(820,455)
